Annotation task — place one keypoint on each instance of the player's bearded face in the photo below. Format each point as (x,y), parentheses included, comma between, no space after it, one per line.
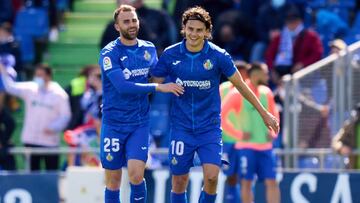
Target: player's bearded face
(195,34)
(129,33)
(128,25)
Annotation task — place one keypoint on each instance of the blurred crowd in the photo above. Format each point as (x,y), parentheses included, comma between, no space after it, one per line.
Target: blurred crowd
(288,35)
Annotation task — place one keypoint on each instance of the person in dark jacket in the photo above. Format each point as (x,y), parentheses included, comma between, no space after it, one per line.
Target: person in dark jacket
(7,127)
(295,48)
(155,26)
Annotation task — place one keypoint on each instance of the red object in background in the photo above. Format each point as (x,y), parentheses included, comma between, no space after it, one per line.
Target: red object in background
(17,5)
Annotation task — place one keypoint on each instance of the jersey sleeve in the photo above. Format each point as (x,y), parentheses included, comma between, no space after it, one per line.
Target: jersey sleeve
(161,68)
(227,65)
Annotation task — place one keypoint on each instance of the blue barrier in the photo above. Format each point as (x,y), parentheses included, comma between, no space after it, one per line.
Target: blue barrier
(295,187)
(29,188)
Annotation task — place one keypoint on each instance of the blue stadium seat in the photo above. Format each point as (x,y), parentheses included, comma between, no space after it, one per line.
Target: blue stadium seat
(30,24)
(308,162)
(354,34)
(32,21)
(62,5)
(26,47)
(316,3)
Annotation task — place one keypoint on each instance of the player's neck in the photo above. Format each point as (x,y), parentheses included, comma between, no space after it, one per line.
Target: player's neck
(195,49)
(128,42)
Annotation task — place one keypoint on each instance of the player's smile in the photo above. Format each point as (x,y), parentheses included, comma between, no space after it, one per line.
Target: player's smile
(195,32)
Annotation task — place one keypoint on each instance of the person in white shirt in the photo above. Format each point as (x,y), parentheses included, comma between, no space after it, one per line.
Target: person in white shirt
(47,112)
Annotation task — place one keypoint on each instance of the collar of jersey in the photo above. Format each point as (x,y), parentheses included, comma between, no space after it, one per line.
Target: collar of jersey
(137,45)
(204,50)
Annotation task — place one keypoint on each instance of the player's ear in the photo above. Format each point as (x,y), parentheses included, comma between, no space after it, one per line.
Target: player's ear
(207,34)
(117,27)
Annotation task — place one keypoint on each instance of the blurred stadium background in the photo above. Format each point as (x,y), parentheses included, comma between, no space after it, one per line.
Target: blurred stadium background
(309,169)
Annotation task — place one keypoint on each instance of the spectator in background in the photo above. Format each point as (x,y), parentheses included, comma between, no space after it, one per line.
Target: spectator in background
(86,135)
(53,15)
(156,26)
(253,138)
(47,113)
(348,138)
(268,26)
(234,33)
(8,45)
(7,123)
(336,46)
(295,48)
(229,140)
(317,104)
(76,90)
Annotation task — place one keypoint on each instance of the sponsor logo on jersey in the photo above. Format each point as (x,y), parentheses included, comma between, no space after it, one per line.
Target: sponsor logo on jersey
(201,84)
(107,63)
(147,55)
(208,65)
(176,62)
(123,58)
(127,73)
(136,72)
(174,161)
(109,157)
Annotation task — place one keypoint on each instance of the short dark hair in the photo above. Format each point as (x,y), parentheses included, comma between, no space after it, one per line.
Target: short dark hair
(256,66)
(123,8)
(197,13)
(46,68)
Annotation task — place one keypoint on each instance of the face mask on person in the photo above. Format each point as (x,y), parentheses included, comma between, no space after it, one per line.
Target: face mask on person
(39,81)
(277,3)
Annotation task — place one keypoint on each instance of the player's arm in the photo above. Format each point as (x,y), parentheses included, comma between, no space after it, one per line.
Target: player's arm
(269,120)
(15,88)
(228,68)
(160,71)
(114,73)
(272,109)
(231,102)
(158,80)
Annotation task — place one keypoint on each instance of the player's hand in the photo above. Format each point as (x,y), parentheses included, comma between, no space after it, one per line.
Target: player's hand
(271,122)
(345,150)
(170,88)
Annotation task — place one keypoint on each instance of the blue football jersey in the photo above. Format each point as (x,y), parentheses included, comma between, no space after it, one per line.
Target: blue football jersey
(198,109)
(134,62)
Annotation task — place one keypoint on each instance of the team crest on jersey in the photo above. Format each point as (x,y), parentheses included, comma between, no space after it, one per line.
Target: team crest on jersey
(147,55)
(107,63)
(208,65)
(109,157)
(174,161)
(127,73)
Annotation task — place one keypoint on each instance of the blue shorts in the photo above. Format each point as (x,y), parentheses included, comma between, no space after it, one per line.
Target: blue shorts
(261,163)
(183,146)
(118,145)
(230,154)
